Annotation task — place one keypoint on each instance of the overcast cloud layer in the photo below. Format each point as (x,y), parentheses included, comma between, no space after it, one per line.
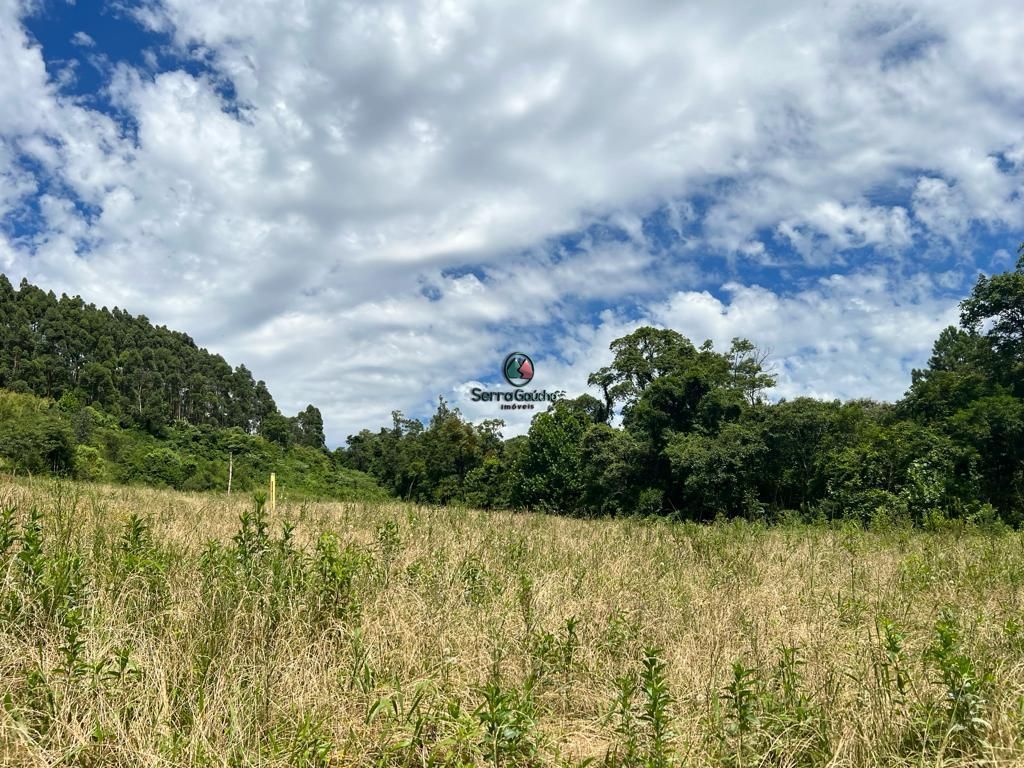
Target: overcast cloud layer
(370,204)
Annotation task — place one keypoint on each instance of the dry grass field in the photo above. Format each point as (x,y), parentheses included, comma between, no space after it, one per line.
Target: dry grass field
(144,628)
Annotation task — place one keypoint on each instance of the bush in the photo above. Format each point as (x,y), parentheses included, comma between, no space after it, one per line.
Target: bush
(162,466)
(89,465)
(34,437)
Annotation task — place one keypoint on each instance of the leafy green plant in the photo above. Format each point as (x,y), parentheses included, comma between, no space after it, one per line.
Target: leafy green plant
(793,725)
(361,675)
(336,568)
(965,687)
(1013,632)
(655,708)
(508,718)
(627,752)
(741,717)
(891,670)
(477,580)
(136,537)
(789,682)
(849,607)
(641,709)
(252,539)
(136,555)
(389,540)
(553,653)
(68,595)
(117,667)
(31,560)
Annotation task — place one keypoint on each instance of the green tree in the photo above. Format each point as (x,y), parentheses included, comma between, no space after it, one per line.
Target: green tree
(873,472)
(718,474)
(451,449)
(997,303)
(798,435)
(641,357)
(612,467)
(34,437)
(488,486)
(973,391)
(549,470)
(308,428)
(994,428)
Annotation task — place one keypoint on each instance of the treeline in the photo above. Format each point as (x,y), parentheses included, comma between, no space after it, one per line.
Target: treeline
(103,395)
(41,436)
(145,376)
(698,438)
(674,428)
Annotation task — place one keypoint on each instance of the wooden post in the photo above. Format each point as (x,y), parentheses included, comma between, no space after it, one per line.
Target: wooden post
(231,470)
(273,492)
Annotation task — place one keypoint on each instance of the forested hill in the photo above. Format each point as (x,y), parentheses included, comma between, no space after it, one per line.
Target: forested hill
(104,395)
(145,376)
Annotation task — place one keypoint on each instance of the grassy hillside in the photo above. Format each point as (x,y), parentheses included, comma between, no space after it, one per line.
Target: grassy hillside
(144,627)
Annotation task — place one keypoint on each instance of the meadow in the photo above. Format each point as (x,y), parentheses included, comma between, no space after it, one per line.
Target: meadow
(153,628)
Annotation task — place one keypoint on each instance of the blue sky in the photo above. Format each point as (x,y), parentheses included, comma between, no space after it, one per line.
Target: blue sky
(370,204)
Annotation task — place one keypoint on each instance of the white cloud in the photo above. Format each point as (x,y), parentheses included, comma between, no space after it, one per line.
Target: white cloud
(320,227)
(846,336)
(83,39)
(941,208)
(831,226)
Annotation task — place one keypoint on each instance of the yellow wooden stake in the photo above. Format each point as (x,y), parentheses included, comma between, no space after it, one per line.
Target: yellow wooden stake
(273,492)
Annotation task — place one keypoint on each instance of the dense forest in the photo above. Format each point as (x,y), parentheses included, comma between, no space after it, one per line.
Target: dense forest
(146,376)
(698,439)
(105,395)
(672,427)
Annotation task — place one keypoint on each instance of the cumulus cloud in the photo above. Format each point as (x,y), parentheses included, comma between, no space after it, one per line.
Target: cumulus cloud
(369,203)
(844,336)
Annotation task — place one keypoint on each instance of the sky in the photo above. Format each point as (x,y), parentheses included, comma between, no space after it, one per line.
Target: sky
(370,204)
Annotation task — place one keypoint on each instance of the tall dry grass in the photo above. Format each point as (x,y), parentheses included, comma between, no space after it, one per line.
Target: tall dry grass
(140,627)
